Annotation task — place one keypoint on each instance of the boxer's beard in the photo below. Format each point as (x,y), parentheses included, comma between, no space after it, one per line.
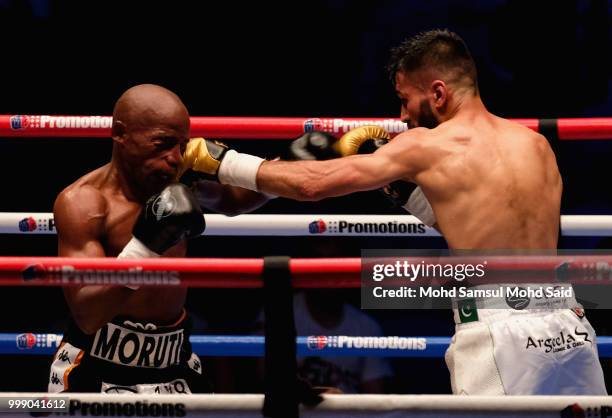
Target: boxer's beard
(427,119)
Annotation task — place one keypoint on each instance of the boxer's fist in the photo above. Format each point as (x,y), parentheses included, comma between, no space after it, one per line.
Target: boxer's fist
(168,217)
(362,140)
(410,197)
(366,140)
(312,146)
(203,157)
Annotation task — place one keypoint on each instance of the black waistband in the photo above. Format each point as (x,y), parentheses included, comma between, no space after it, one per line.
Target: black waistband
(135,344)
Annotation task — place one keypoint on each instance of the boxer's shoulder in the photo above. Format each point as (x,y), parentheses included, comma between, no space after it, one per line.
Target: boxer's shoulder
(87,192)
(521,136)
(414,134)
(80,205)
(411,141)
(81,196)
(432,143)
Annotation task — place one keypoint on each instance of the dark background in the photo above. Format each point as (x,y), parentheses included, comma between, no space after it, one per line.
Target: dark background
(311,58)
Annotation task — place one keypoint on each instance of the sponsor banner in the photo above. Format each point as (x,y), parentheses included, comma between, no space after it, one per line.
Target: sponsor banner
(340,126)
(31,122)
(306,225)
(27,223)
(67,274)
(367,225)
(255,224)
(26,342)
(319,342)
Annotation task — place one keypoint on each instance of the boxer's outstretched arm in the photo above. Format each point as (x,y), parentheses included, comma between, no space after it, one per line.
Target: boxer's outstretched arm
(225,199)
(79,215)
(315,180)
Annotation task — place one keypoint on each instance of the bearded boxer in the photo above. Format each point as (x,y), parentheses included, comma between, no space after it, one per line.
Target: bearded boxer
(492,184)
(125,339)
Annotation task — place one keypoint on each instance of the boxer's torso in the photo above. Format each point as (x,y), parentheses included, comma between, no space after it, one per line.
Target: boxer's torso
(158,305)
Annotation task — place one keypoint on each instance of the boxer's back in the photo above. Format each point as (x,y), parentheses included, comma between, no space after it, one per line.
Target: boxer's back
(497,186)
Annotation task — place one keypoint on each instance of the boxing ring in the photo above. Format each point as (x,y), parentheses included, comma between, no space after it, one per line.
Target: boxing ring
(277,276)
(250,273)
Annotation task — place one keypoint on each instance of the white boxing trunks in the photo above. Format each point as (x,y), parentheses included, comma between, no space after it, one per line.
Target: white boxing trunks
(533,350)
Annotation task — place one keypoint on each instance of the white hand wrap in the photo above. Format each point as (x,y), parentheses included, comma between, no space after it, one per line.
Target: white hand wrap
(239,169)
(136,249)
(419,206)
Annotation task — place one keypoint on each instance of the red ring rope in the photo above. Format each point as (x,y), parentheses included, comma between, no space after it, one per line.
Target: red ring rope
(261,127)
(246,273)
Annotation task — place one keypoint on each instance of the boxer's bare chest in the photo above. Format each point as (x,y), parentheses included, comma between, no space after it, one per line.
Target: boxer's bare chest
(152,304)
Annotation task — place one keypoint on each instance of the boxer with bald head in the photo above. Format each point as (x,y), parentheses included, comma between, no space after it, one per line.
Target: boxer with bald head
(492,184)
(127,338)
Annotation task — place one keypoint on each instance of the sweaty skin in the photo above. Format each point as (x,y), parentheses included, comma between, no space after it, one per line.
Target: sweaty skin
(492,183)
(95,214)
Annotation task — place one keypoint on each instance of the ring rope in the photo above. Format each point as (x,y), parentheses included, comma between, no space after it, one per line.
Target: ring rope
(309,225)
(28,343)
(333,406)
(305,272)
(271,127)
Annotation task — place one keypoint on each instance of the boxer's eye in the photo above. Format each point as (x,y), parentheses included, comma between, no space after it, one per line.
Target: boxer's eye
(165,141)
(160,144)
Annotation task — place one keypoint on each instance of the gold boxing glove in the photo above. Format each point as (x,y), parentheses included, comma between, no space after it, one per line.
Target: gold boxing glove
(204,157)
(366,140)
(362,140)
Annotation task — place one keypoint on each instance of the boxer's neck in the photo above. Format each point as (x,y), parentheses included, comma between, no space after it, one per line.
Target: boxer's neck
(124,181)
(464,105)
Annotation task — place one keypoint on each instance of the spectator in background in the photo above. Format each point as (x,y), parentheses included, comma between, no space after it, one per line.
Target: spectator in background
(326,312)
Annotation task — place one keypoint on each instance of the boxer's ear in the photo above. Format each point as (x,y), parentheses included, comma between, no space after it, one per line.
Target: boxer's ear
(118,131)
(439,92)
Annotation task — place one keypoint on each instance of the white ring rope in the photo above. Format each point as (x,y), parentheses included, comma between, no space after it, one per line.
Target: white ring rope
(314,225)
(333,406)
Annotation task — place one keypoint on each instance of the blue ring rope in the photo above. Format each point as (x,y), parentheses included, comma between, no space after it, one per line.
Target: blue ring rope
(253,346)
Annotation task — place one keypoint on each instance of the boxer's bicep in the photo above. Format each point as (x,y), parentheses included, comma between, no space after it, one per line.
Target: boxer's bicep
(316,180)
(400,159)
(371,171)
(406,156)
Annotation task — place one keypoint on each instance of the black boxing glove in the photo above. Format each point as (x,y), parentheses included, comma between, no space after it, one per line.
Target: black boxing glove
(410,197)
(169,217)
(165,219)
(312,146)
(398,192)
